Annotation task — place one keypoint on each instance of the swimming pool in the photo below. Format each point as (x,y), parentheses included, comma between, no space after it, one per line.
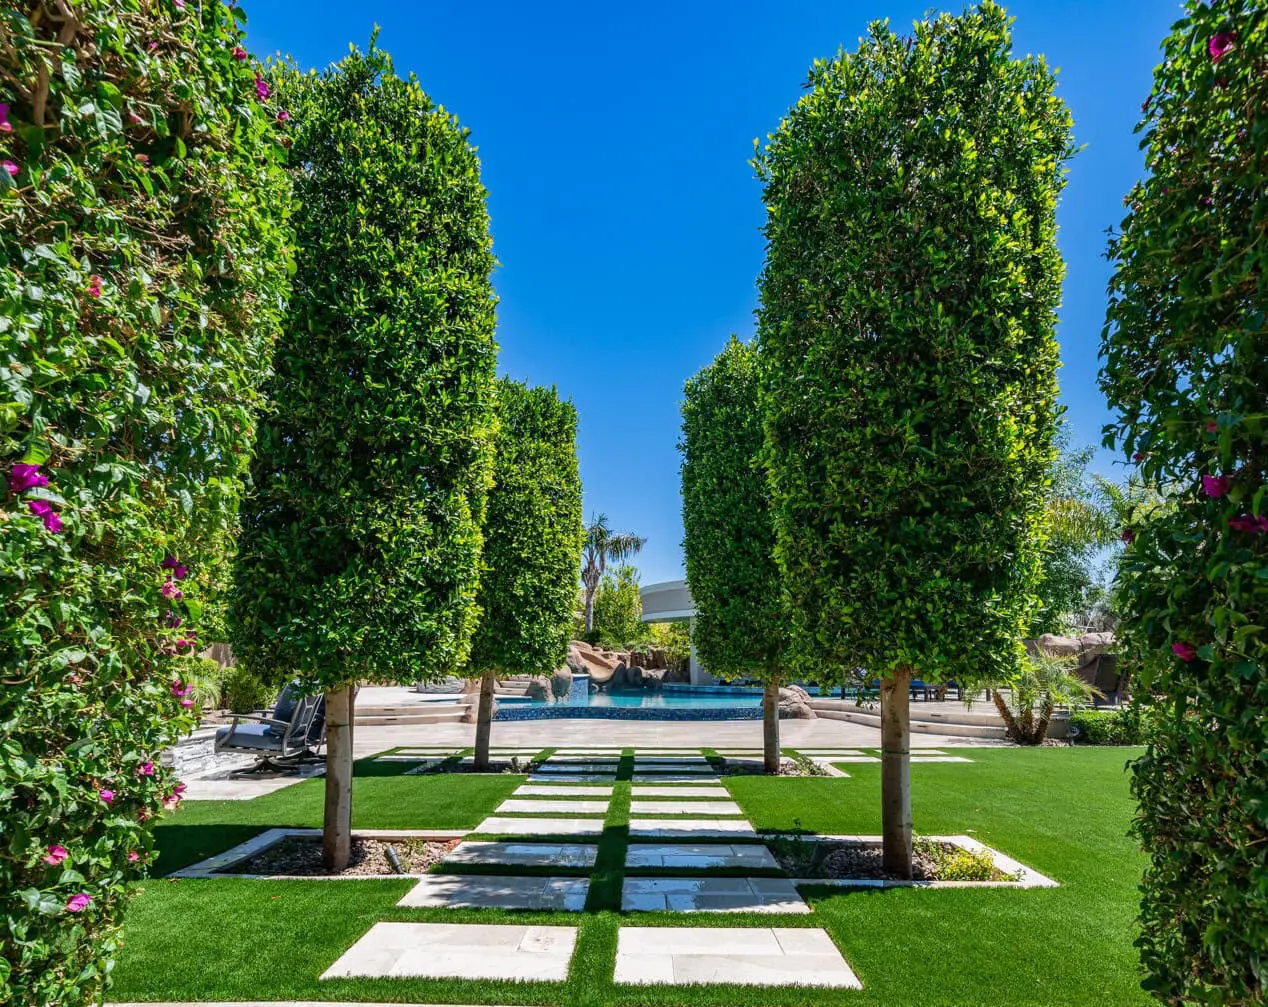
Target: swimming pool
(669,703)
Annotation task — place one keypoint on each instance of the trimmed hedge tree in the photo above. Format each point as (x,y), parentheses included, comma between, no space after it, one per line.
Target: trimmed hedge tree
(909,364)
(742,624)
(361,541)
(532,545)
(1186,369)
(144,249)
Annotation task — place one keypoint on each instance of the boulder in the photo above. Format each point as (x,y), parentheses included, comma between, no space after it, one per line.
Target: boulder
(1051,645)
(677,676)
(794,704)
(561,683)
(537,688)
(1092,644)
(653,677)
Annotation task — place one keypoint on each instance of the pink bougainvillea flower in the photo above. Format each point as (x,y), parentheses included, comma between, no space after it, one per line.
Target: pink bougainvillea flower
(10,167)
(180,572)
(170,591)
(133,118)
(1212,427)
(174,798)
(1216,486)
(178,790)
(145,769)
(23,477)
(179,688)
(262,90)
(53,522)
(5,125)
(94,286)
(39,507)
(1220,44)
(56,854)
(187,703)
(1249,523)
(1138,457)
(75,679)
(180,4)
(170,562)
(78,903)
(173,620)
(1129,536)
(133,856)
(106,795)
(143,159)
(1184,651)
(152,46)
(283,115)
(239,53)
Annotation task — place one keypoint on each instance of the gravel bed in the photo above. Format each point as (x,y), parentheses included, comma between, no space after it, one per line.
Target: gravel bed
(835,859)
(301,855)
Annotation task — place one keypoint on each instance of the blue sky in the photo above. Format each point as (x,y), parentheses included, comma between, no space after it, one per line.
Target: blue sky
(615,141)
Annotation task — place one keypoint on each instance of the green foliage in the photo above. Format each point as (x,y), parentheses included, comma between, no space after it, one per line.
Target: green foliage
(532,535)
(906,337)
(1186,368)
(361,540)
(602,545)
(674,638)
(207,678)
(1043,684)
(243,692)
(741,626)
(618,608)
(960,864)
(144,244)
(1125,726)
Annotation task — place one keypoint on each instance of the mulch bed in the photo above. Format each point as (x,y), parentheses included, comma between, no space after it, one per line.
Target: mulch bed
(754,767)
(301,855)
(809,859)
(495,766)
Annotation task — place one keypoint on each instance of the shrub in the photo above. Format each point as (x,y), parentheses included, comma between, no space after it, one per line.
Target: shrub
(1108,727)
(908,358)
(244,692)
(361,540)
(144,253)
(618,608)
(207,678)
(1186,368)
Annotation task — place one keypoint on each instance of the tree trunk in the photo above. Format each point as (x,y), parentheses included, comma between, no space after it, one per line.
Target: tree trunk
(770,723)
(336,837)
(896,774)
(1046,707)
(589,608)
(484,720)
(1010,722)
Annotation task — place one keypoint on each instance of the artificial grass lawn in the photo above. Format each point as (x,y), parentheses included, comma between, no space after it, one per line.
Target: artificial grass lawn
(1063,811)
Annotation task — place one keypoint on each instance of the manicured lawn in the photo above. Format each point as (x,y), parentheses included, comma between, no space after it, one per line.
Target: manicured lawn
(1064,812)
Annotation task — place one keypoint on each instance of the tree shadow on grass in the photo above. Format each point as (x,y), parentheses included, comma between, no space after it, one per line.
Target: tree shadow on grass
(179,846)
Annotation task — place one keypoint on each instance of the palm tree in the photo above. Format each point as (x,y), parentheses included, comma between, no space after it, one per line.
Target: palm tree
(1044,684)
(603,544)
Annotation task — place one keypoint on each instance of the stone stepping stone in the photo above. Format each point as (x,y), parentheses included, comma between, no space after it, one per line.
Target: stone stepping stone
(643,790)
(747,855)
(549,807)
(497,760)
(673,762)
(551,766)
(747,956)
(504,826)
(571,777)
(458,951)
(684,808)
(525,854)
(711,895)
(568,790)
(676,777)
(844,758)
(486,891)
(582,760)
(687,828)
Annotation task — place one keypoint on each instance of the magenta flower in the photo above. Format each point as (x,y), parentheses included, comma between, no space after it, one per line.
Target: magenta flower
(261,88)
(1129,536)
(23,477)
(152,46)
(78,903)
(1249,523)
(145,769)
(39,508)
(174,798)
(179,688)
(56,854)
(135,119)
(5,125)
(133,856)
(1216,486)
(1138,457)
(170,562)
(1184,651)
(1220,45)
(53,522)
(180,4)
(239,53)
(94,286)
(106,795)
(283,115)
(170,591)
(10,167)
(143,159)
(75,679)
(180,572)
(1212,427)
(173,620)
(187,703)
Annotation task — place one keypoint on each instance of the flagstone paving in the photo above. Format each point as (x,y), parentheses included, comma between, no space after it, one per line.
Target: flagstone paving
(572,777)
(684,808)
(566,790)
(700,777)
(747,855)
(643,790)
(459,951)
(748,956)
(688,828)
(505,826)
(711,895)
(486,891)
(577,768)
(514,854)
(549,807)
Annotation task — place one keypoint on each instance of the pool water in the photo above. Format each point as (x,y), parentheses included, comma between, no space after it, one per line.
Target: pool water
(701,698)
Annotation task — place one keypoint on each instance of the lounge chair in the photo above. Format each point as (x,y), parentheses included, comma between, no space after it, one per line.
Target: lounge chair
(294,733)
(1101,672)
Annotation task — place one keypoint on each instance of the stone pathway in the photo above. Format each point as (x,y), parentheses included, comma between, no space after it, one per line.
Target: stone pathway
(645,790)
(513,854)
(711,895)
(549,807)
(505,826)
(564,790)
(488,891)
(459,951)
(638,807)
(747,856)
(689,828)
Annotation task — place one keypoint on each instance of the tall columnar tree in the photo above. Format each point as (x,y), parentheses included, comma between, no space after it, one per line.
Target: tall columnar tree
(603,545)
(532,545)
(909,363)
(143,254)
(1186,368)
(741,625)
(361,540)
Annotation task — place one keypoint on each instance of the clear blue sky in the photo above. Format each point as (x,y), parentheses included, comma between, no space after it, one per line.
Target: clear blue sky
(615,141)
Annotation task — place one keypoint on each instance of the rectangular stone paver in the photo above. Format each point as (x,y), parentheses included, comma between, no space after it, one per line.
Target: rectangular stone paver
(702,777)
(552,807)
(684,808)
(844,758)
(571,777)
(745,855)
(688,828)
(525,854)
(642,790)
(748,956)
(565,790)
(459,951)
(541,826)
(551,766)
(711,895)
(486,891)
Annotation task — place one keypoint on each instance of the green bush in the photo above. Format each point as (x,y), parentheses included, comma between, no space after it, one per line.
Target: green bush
(1185,355)
(207,678)
(244,692)
(618,608)
(143,270)
(1108,727)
